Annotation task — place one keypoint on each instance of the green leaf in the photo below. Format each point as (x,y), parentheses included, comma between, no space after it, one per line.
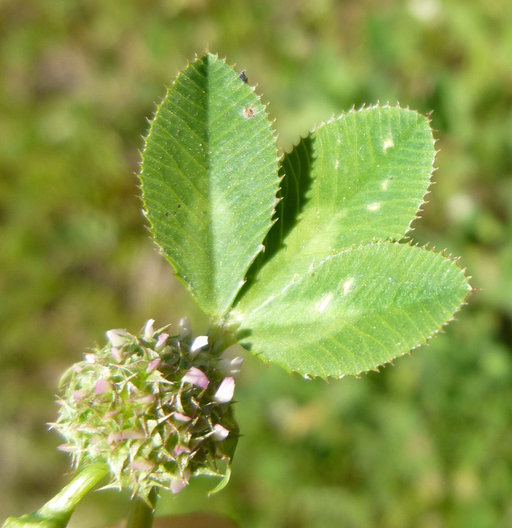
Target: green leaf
(357,178)
(318,301)
(355,310)
(209,180)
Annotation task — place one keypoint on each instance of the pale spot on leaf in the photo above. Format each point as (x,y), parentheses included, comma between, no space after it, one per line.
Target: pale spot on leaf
(387,144)
(322,305)
(375,206)
(347,285)
(384,185)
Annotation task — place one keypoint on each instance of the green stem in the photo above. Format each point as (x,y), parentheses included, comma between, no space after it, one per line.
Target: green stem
(141,511)
(57,511)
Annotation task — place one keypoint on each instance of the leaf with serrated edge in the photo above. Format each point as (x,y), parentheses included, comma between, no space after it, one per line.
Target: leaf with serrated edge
(209,180)
(360,177)
(355,310)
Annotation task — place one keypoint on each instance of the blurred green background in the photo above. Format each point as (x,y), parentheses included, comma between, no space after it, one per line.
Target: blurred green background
(427,442)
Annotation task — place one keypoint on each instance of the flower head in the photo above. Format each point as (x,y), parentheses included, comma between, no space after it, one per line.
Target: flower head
(156,408)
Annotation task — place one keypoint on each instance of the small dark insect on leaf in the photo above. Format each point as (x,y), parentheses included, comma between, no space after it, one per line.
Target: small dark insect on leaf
(167,213)
(243,76)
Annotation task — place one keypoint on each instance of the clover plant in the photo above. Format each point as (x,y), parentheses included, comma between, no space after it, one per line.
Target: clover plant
(301,258)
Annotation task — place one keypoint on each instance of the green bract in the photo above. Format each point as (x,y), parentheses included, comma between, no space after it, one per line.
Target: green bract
(303,261)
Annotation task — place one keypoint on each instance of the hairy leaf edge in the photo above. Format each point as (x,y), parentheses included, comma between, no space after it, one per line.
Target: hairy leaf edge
(140,186)
(234,323)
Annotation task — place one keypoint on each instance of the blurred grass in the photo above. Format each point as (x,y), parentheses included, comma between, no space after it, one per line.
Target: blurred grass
(425,443)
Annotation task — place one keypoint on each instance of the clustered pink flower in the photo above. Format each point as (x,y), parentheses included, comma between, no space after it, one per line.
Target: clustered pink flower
(156,407)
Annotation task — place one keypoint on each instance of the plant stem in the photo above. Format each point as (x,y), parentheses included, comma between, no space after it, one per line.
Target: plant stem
(57,511)
(141,511)
(67,499)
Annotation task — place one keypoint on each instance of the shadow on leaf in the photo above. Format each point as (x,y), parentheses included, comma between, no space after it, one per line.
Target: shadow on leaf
(295,172)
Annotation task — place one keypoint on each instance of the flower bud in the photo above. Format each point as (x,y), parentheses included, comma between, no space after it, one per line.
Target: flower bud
(148,329)
(231,367)
(184,327)
(118,337)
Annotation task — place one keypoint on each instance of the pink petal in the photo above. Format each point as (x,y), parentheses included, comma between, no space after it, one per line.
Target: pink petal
(148,329)
(102,386)
(118,337)
(219,433)
(153,365)
(178,450)
(162,338)
(142,464)
(181,417)
(198,343)
(144,399)
(125,435)
(79,395)
(66,448)
(196,377)
(225,391)
(177,486)
(116,354)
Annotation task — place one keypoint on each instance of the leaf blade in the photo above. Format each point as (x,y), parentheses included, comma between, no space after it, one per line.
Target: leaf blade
(209,179)
(356,310)
(357,178)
